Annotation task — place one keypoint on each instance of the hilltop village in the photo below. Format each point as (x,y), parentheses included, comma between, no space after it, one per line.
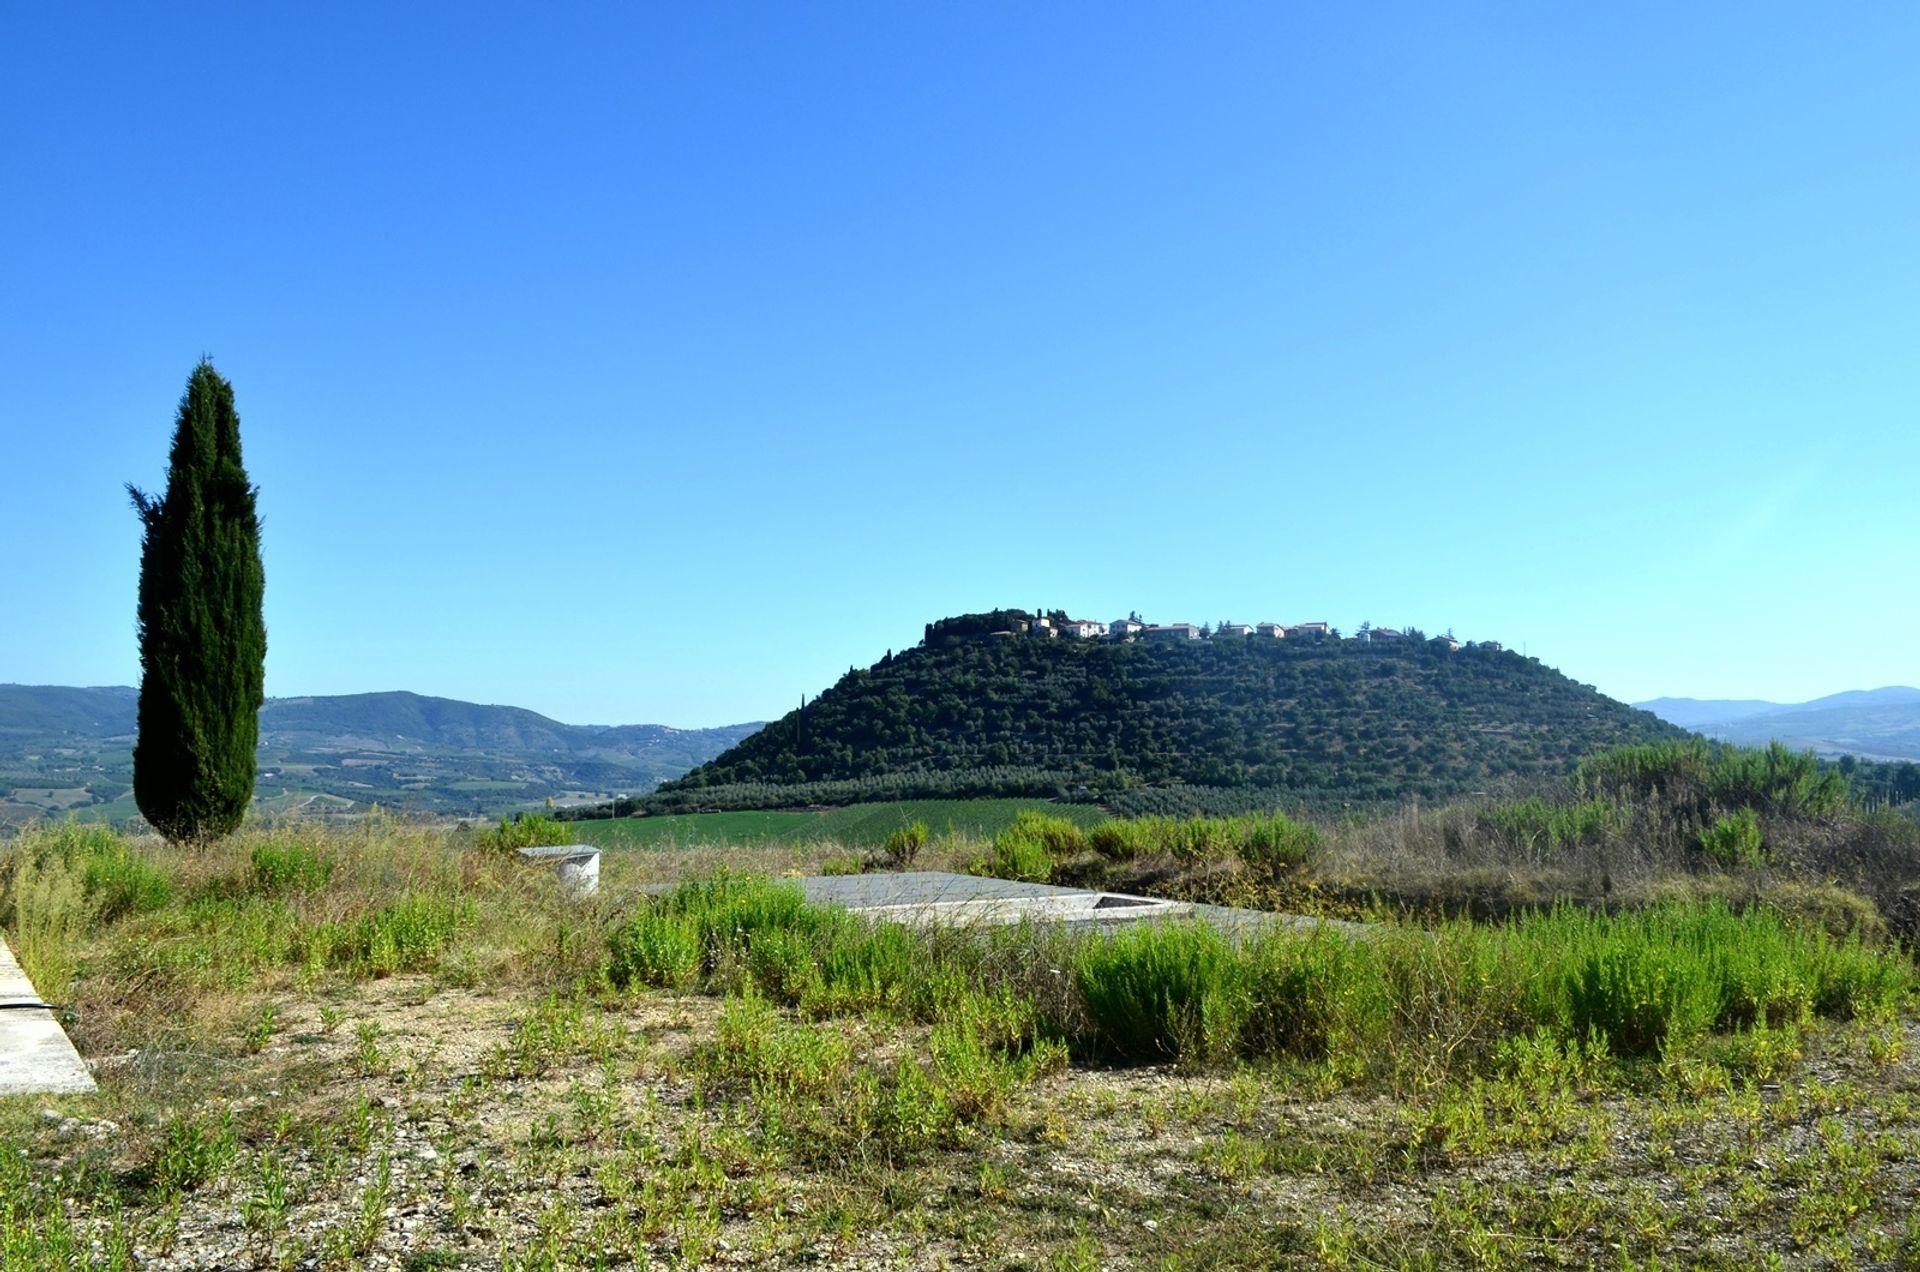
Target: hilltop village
(1008,624)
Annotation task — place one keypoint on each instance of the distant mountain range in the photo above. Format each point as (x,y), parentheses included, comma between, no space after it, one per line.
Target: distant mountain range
(1874,724)
(70,750)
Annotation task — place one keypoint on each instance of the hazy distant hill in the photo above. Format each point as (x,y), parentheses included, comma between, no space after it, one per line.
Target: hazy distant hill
(1691,713)
(68,749)
(1881,724)
(1022,715)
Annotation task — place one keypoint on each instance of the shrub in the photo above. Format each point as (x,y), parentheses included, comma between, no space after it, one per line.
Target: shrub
(902,847)
(1014,855)
(1735,840)
(1118,839)
(1536,828)
(1201,840)
(524,830)
(1029,849)
(118,883)
(1061,838)
(1165,991)
(1692,778)
(1641,997)
(192,1152)
(1273,844)
(661,950)
(1313,996)
(289,866)
(406,935)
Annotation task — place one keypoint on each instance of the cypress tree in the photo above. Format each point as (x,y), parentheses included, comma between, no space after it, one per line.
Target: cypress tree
(203,636)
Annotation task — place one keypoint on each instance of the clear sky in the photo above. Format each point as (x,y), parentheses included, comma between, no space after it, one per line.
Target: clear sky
(659,362)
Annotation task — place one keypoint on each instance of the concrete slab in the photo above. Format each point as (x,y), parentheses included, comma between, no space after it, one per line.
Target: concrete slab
(939,898)
(36,1057)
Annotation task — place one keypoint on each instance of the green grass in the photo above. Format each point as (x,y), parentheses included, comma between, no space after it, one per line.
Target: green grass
(856,826)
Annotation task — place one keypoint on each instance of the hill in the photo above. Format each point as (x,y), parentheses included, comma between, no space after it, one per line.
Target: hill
(1874,724)
(68,749)
(1340,720)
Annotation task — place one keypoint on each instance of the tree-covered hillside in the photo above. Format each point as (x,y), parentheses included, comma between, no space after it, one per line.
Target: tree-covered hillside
(1333,718)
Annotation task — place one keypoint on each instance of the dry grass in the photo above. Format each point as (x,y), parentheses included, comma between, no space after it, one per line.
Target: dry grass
(299,1071)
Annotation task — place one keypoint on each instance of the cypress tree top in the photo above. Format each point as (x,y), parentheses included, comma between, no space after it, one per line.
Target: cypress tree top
(203,637)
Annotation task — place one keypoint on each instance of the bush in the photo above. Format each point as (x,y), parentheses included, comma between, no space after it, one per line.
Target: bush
(660,950)
(1118,839)
(1313,996)
(404,936)
(1160,991)
(48,915)
(1693,778)
(523,831)
(1030,849)
(291,866)
(1273,844)
(901,848)
(119,883)
(1015,855)
(1735,840)
(1640,998)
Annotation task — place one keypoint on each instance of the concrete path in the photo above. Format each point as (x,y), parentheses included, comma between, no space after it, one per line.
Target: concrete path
(35,1056)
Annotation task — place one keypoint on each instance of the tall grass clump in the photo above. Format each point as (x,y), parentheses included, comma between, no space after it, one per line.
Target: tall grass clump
(285,864)
(731,931)
(1269,842)
(120,882)
(1535,829)
(1165,992)
(1428,1003)
(1273,843)
(47,917)
(1314,996)
(1032,848)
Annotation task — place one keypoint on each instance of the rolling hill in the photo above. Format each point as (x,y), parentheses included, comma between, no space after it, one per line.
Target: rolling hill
(1340,720)
(1874,724)
(68,749)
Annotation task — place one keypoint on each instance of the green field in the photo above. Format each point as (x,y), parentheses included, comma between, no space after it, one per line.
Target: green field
(856,826)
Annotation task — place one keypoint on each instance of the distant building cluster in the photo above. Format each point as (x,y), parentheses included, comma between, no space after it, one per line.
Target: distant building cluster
(1133,628)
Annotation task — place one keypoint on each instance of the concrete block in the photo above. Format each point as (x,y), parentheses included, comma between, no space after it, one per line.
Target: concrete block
(577,865)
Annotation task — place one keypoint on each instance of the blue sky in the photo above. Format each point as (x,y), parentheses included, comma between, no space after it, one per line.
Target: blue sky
(657,363)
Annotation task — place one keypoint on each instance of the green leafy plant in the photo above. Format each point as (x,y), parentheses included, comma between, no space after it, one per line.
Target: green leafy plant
(526,830)
(287,866)
(1735,840)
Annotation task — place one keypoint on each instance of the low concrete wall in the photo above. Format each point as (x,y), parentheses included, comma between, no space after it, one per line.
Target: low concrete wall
(36,1057)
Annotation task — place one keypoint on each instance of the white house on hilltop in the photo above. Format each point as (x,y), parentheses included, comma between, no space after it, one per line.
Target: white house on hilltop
(1234,629)
(1274,630)
(1125,628)
(1085,628)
